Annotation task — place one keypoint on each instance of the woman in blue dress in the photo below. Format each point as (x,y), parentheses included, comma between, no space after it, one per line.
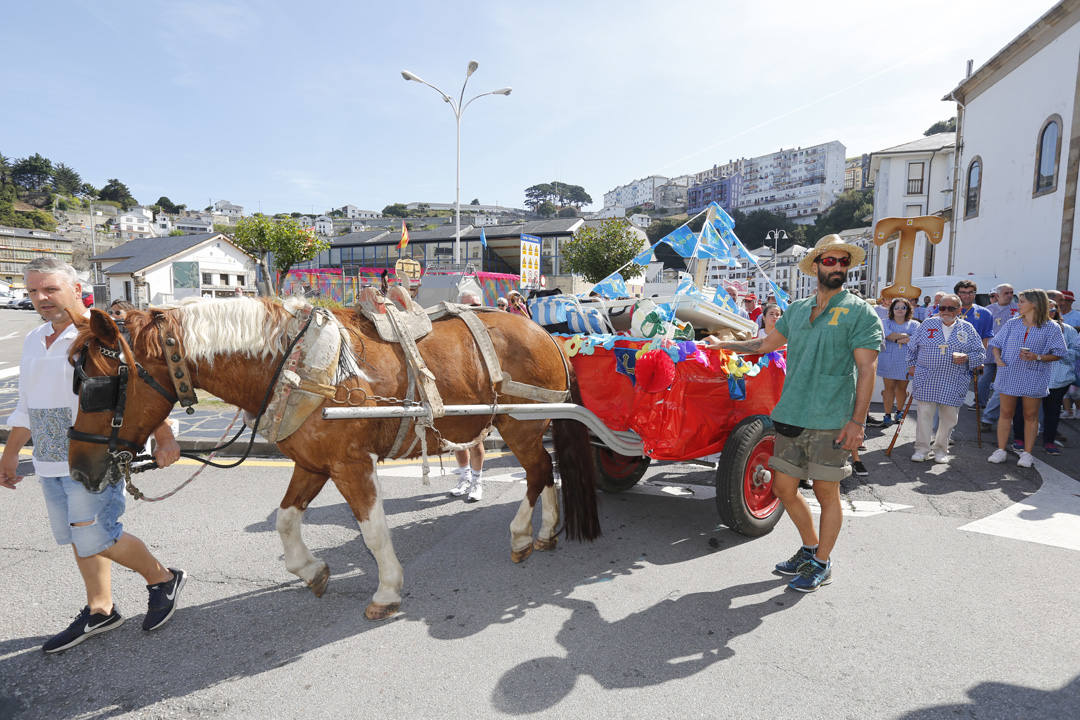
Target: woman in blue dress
(1025,349)
(892,363)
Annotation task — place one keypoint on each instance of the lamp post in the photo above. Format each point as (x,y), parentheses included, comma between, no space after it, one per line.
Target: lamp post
(458,109)
(776,236)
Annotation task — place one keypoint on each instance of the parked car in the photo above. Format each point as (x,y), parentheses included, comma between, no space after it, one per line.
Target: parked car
(25,304)
(13,301)
(87,298)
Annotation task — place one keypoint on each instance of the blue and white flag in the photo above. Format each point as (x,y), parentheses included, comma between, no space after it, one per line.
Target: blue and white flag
(645,256)
(682,240)
(782,298)
(719,217)
(724,300)
(686,286)
(613,286)
(711,245)
(483,237)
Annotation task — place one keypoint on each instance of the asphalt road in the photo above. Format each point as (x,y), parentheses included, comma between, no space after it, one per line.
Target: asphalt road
(667,615)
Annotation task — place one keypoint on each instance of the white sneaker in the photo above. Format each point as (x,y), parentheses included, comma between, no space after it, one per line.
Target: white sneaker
(998,456)
(919,457)
(464,482)
(476,488)
(942,459)
(1025,460)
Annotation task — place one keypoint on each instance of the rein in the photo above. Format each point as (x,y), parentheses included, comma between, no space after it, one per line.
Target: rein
(128,461)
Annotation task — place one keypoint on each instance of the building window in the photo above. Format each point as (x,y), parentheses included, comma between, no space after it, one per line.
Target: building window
(915,178)
(890,263)
(207,279)
(1046,157)
(974,188)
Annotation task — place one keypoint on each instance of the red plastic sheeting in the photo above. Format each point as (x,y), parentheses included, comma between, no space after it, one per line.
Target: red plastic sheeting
(690,419)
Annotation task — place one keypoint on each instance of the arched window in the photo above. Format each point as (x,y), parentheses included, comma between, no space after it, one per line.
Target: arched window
(974,188)
(1047,153)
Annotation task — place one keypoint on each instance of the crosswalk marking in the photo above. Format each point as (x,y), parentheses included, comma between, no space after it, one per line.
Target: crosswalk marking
(1051,516)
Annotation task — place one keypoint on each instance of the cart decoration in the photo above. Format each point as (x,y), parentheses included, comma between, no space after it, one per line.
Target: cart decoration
(690,401)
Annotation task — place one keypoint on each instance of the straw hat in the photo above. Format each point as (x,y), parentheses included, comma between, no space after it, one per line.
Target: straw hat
(827,243)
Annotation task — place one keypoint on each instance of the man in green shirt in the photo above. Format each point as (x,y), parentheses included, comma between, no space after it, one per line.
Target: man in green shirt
(833,339)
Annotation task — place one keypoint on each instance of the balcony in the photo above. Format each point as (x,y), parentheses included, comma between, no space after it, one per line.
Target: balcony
(914,186)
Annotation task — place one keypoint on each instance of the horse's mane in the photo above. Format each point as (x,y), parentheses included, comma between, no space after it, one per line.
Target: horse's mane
(208,328)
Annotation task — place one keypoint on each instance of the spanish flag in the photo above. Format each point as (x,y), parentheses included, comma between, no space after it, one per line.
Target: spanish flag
(404,236)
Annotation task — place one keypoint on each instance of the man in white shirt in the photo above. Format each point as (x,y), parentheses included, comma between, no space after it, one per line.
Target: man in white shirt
(88,521)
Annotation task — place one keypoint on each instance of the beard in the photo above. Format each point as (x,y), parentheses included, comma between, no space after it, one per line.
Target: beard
(830,279)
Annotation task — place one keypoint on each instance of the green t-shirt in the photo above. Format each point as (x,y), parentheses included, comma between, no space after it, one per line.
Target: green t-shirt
(819,390)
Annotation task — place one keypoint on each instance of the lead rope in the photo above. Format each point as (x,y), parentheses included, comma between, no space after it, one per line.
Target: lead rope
(138,494)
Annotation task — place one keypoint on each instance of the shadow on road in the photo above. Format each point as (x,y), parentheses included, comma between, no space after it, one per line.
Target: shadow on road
(1002,700)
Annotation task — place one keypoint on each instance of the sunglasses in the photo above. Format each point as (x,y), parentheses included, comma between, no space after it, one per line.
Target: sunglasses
(116,313)
(947,308)
(830,261)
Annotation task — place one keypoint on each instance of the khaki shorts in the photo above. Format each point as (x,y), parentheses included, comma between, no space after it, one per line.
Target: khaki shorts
(811,456)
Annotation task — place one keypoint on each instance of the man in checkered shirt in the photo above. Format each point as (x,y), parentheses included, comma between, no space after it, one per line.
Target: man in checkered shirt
(942,355)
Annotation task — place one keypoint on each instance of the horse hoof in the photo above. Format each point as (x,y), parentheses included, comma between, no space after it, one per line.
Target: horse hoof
(318,583)
(539,544)
(520,555)
(377,611)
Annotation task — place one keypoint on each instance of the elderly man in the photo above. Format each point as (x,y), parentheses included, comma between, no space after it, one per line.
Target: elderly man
(833,339)
(87,521)
(942,355)
(1065,309)
(1001,311)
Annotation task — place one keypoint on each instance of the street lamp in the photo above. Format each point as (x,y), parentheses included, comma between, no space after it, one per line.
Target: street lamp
(776,236)
(458,109)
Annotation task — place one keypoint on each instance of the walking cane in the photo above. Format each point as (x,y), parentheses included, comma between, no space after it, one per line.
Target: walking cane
(978,412)
(900,424)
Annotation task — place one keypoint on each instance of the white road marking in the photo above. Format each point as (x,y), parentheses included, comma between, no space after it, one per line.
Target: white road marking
(8,336)
(1051,516)
(860,508)
(9,372)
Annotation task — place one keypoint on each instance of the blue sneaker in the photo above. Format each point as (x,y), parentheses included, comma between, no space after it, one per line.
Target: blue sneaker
(812,575)
(791,566)
(886,421)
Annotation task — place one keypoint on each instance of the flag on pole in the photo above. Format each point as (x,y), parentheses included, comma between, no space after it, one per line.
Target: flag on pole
(483,238)
(404,236)
(724,300)
(644,257)
(611,287)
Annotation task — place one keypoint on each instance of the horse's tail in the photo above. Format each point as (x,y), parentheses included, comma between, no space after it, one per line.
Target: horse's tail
(573,453)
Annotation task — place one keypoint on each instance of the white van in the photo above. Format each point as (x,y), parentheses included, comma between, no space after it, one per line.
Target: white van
(932,284)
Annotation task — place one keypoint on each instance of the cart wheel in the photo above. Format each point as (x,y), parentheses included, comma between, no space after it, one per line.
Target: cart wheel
(744,496)
(618,472)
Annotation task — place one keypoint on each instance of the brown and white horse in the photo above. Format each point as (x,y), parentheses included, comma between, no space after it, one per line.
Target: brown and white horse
(232,348)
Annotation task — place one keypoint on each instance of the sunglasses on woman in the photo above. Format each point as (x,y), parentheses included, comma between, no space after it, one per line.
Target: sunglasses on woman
(830,261)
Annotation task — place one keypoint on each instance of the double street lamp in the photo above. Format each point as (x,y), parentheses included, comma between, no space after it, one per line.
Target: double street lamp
(776,236)
(458,109)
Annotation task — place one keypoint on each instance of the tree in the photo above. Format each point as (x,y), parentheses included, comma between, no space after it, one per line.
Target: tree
(474,201)
(89,191)
(168,206)
(751,229)
(596,252)
(173,233)
(65,180)
(284,239)
(117,191)
(942,126)
(557,193)
(537,194)
(545,209)
(5,170)
(568,212)
(395,210)
(851,209)
(31,172)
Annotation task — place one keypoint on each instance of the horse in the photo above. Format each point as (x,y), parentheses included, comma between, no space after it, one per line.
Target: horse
(230,347)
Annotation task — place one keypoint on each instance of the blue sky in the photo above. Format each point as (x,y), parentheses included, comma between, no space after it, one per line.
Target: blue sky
(300,106)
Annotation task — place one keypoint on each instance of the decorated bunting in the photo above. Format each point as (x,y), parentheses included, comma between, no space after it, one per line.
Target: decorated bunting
(612,287)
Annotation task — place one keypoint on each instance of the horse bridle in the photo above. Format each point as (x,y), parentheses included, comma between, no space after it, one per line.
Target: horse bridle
(108,393)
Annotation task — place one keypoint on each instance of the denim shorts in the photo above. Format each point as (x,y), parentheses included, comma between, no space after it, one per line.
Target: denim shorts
(69,502)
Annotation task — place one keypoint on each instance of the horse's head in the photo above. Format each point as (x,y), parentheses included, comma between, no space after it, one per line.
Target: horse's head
(124,389)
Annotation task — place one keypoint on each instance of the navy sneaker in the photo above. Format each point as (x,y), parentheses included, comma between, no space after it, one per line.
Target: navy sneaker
(791,566)
(164,599)
(812,575)
(887,420)
(86,625)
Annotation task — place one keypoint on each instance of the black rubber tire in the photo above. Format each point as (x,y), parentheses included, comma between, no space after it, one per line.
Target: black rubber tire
(616,473)
(731,501)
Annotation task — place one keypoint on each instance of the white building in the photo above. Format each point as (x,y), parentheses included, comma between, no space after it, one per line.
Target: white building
(638,192)
(799,183)
(640,220)
(354,213)
(306,221)
(785,274)
(324,225)
(162,224)
(136,222)
(1017,173)
(230,211)
(861,277)
(910,180)
(157,271)
(193,225)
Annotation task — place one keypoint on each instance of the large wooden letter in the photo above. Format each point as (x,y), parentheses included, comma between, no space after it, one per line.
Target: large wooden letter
(932,225)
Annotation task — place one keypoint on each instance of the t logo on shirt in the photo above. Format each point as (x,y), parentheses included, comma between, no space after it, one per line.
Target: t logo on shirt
(836,313)
(930,332)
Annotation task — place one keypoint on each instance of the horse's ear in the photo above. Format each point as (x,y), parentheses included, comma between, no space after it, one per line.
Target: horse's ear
(103,327)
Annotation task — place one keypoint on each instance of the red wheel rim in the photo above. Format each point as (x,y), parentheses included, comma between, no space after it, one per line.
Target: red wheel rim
(617,466)
(757,481)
